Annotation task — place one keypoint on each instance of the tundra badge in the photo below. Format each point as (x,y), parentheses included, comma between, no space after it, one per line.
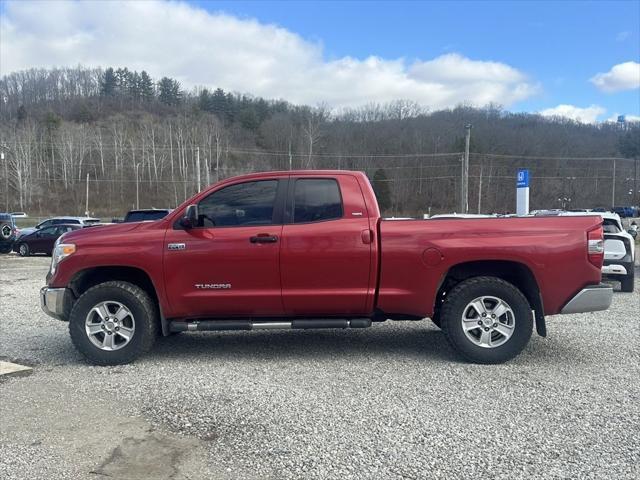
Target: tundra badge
(213,286)
(176,246)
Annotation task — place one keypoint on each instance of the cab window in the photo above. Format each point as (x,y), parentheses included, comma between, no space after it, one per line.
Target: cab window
(242,204)
(316,200)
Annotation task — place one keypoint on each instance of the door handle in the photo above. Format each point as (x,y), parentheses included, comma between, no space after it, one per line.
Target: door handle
(263,238)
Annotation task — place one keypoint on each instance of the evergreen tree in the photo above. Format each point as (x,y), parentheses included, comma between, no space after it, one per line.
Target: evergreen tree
(169,91)
(122,80)
(109,83)
(134,85)
(147,92)
(248,119)
(381,188)
(205,101)
(231,108)
(219,103)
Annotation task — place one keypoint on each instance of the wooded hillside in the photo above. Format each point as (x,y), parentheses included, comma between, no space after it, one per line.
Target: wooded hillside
(128,131)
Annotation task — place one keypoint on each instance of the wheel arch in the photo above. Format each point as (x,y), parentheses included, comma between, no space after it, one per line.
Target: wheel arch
(514,272)
(89,277)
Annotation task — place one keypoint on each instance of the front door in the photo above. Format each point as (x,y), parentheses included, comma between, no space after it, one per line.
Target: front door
(228,265)
(43,238)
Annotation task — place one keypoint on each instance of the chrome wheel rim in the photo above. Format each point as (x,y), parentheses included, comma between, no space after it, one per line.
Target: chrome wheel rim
(110,325)
(488,322)
(23,250)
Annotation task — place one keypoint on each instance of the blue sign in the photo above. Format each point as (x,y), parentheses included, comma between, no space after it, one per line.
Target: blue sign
(522,180)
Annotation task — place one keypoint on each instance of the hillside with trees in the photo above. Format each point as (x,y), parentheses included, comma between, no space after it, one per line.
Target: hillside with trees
(150,142)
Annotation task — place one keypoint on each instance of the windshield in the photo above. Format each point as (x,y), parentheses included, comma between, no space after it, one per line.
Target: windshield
(145,216)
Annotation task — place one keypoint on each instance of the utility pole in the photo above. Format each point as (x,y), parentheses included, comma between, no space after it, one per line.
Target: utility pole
(464,203)
(6,180)
(462,184)
(137,188)
(480,188)
(198,166)
(636,192)
(86,204)
(613,185)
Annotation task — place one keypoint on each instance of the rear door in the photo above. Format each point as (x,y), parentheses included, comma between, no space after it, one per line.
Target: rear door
(326,250)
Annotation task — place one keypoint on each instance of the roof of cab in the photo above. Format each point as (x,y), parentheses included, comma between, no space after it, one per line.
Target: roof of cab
(296,173)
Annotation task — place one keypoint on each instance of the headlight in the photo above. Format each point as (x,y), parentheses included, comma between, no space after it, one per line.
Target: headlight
(60,252)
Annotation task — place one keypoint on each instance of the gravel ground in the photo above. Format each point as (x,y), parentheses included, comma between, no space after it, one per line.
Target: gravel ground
(388,402)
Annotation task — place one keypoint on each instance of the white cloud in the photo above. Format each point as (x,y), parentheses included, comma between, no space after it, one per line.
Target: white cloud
(585,115)
(219,50)
(624,76)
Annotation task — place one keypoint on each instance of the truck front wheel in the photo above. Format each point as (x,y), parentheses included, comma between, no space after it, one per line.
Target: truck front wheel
(486,320)
(113,323)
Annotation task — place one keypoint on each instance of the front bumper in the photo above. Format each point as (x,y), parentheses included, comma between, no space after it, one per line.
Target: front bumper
(52,302)
(590,299)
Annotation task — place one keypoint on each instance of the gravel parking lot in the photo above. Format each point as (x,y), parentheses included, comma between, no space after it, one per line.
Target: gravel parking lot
(392,401)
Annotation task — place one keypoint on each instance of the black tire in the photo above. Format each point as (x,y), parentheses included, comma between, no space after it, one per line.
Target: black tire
(627,284)
(5,249)
(141,306)
(23,250)
(456,303)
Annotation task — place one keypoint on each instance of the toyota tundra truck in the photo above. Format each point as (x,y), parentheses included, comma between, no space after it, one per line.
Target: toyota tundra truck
(309,250)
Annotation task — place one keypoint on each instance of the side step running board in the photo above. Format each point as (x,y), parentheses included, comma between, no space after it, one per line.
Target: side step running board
(212,325)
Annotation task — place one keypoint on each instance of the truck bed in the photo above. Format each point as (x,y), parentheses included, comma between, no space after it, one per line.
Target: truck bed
(416,255)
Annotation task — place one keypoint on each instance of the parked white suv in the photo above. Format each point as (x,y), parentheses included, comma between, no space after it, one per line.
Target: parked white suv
(619,250)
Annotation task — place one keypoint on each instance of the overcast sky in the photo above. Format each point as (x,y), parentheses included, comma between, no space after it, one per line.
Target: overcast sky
(574,59)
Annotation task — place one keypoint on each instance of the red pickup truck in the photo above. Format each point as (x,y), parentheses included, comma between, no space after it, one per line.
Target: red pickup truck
(308,249)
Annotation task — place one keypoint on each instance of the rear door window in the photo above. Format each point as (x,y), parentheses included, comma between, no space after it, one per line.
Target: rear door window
(316,200)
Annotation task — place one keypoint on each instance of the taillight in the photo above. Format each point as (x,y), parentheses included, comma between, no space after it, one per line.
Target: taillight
(595,246)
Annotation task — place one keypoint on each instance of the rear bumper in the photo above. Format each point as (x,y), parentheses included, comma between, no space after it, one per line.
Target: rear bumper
(52,302)
(590,299)
(617,267)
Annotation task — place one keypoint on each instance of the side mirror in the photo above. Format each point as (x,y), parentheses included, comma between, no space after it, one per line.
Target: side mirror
(190,219)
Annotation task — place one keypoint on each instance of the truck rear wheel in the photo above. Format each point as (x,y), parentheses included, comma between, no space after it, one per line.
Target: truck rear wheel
(113,323)
(486,320)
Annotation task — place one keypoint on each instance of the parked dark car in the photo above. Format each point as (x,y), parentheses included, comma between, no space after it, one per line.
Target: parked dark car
(146,215)
(42,240)
(80,221)
(8,232)
(624,212)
